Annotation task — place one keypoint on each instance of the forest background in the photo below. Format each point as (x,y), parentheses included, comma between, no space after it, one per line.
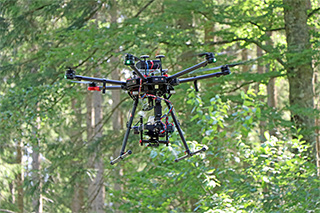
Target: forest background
(260,124)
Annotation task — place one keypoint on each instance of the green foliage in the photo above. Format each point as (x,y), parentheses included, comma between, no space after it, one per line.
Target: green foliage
(254,176)
(277,174)
(7,175)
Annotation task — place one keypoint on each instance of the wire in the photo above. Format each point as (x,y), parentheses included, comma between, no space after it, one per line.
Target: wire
(165,127)
(155,97)
(140,87)
(151,68)
(147,70)
(166,100)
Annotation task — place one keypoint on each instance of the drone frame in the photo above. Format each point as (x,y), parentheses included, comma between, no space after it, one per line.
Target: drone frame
(164,82)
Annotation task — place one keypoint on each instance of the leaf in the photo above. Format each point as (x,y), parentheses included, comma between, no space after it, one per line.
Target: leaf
(267,135)
(153,154)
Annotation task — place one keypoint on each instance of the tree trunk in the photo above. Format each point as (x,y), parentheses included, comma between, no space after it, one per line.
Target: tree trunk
(260,70)
(20,177)
(317,123)
(271,87)
(208,33)
(299,67)
(89,116)
(245,68)
(77,198)
(36,166)
(78,192)
(116,116)
(96,190)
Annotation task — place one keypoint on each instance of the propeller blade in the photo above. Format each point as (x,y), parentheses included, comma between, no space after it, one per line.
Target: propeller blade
(229,65)
(207,69)
(82,82)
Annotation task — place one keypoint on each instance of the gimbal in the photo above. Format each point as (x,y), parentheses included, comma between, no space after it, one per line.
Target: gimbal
(146,85)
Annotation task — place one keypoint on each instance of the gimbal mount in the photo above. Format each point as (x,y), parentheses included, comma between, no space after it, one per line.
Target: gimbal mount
(146,85)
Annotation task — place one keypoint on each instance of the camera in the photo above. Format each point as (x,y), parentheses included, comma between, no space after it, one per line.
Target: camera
(154,129)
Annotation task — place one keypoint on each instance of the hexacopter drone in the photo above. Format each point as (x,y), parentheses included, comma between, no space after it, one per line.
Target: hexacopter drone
(147,84)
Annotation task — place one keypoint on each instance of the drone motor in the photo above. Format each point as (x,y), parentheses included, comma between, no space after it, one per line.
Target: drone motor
(149,65)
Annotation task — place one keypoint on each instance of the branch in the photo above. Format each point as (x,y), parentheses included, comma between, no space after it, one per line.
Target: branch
(7,211)
(242,85)
(238,23)
(77,149)
(313,12)
(223,42)
(105,120)
(259,44)
(85,60)
(142,9)
(251,82)
(39,8)
(265,48)
(36,9)
(79,23)
(266,30)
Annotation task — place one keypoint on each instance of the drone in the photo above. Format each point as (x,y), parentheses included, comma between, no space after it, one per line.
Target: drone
(151,83)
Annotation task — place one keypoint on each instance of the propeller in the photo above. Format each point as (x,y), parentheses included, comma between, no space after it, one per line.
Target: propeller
(229,65)
(84,82)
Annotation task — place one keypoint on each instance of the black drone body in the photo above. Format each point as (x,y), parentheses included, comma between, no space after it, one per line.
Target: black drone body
(150,82)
